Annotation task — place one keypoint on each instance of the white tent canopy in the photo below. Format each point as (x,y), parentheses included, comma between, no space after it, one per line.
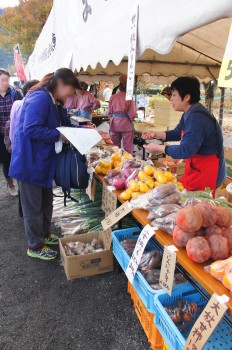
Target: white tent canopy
(93,37)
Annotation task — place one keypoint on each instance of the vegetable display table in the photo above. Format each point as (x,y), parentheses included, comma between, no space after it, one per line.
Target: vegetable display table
(209,283)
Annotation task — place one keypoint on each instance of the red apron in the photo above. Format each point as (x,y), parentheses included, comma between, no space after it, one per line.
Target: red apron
(200,172)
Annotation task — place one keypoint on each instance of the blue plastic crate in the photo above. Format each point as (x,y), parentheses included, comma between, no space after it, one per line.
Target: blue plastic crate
(221,338)
(144,290)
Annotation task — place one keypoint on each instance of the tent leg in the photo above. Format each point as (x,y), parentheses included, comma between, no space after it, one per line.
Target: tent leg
(221,110)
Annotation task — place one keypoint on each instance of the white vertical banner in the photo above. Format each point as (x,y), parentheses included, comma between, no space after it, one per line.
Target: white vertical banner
(132,53)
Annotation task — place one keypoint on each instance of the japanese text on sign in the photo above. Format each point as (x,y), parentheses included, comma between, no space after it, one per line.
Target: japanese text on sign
(107,238)
(109,200)
(117,215)
(168,268)
(141,243)
(225,76)
(132,54)
(206,323)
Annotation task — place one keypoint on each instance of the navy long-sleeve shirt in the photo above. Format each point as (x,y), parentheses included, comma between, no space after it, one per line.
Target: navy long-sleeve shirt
(200,137)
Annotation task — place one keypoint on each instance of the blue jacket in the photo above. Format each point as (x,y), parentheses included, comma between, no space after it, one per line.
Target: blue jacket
(200,137)
(33,158)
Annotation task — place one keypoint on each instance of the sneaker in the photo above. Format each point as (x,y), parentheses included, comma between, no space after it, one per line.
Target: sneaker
(44,253)
(12,190)
(51,240)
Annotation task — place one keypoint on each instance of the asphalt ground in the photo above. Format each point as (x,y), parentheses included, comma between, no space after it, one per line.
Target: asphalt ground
(41,310)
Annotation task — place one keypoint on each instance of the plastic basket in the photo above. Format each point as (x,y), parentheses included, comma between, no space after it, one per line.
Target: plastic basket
(173,339)
(145,292)
(146,319)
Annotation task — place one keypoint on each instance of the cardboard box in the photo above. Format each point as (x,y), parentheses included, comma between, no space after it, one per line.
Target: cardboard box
(177,168)
(77,266)
(228,159)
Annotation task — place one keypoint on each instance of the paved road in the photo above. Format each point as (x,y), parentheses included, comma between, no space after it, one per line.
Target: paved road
(41,310)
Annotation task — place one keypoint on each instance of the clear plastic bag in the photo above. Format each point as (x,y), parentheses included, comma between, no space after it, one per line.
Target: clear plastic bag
(163,210)
(163,191)
(173,198)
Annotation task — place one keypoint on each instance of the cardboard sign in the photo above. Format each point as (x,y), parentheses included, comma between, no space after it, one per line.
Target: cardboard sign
(168,268)
(225,76)
(107,238)
(144,237)
(117,215)
(207,322)
(109,200)
(132,54)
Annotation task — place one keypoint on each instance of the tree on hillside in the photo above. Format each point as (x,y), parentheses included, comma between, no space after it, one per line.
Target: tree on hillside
(22,24)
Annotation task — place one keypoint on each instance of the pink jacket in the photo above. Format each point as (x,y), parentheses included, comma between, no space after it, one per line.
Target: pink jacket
(72,102)
(88,102)
(119,105)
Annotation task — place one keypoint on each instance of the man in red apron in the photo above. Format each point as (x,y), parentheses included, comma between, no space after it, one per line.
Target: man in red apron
(201,138)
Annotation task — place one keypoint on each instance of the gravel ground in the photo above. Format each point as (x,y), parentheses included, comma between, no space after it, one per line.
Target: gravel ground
(41,310)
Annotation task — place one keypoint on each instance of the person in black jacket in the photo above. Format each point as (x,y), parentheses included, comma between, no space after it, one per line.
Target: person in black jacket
(7,97)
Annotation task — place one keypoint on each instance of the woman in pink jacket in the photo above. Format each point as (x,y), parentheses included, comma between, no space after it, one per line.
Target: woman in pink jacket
(122,114)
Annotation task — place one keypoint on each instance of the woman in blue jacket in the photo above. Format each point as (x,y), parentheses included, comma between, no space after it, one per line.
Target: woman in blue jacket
(33,157)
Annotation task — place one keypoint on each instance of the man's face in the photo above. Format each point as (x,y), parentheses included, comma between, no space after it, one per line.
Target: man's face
(177,103)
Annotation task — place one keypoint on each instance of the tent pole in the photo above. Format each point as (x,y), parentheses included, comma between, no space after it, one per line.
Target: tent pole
(221,110)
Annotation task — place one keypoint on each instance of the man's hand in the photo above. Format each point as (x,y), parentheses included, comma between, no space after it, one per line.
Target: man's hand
(154,148)
(149,135)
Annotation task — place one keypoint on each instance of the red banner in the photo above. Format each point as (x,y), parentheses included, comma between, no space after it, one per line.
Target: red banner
(19,64)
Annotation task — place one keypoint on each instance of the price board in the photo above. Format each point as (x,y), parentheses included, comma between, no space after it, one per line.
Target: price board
(168,268)
(107,238)
(117,215)
(141,243)
(109,200)
(207,322)
(225,76)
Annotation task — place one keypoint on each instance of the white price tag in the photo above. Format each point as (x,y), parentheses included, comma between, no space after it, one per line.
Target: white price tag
(117,215)
(109,199)
(225,75)
(168,268)
(141,243)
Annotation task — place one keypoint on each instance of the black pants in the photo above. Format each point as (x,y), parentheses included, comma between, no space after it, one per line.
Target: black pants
(37,205)
(4,157)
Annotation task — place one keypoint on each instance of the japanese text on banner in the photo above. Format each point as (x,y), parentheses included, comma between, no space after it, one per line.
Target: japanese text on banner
(132,54)
(168,268)
(141,243)
(117,215)
(206,323)
(225,76)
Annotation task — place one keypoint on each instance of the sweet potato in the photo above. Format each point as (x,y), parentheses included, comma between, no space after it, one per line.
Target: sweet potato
(213,231)
(181,237)
(189,219)
(227,233)
(219,247)
(223,217)
(208,213)
(198,249)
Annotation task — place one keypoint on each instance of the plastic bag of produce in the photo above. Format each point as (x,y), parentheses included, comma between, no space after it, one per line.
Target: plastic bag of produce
(168,228)
(163,191)
(222,271)
(172,198)
(163,210)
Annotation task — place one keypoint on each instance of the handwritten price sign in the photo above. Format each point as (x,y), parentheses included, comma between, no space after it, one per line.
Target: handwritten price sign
(144,237)
(168,268)
(207,322)
(109,200)
(225,76)
(117,215)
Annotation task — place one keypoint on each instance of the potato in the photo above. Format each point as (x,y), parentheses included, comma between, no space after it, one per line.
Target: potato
(223,217)
(189,219)
(212,231)
(219,247)
(208,212)
(181,237)
(227,233)
(198,249)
